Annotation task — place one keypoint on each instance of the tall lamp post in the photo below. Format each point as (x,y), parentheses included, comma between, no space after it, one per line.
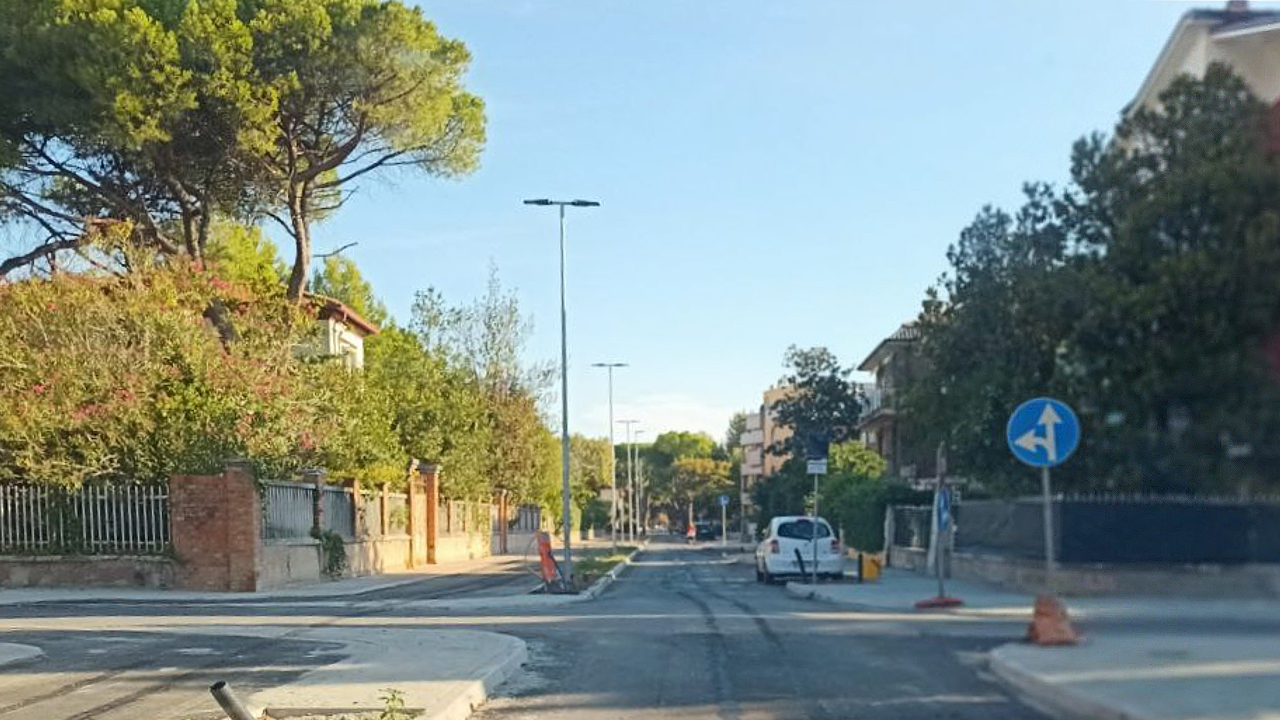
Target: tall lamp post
(637,523)
(630,474)
(565,494)
(613,458)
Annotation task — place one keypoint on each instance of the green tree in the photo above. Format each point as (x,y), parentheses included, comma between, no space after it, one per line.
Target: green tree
(134,112)
(1144,294)
(824,401)
(165,115)
(340,278)
(363,85)
(1012,296)
(696,481)
(242,253)
(1181,215)
(733,434)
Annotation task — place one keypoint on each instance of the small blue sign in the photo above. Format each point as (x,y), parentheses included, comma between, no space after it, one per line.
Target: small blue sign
(1043,432)
(816,446)
(944,508)
(724,501)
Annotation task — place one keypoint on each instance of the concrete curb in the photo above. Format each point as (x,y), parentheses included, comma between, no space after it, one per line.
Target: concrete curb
(14,654)
(478,692)
(607,579)
(1049,697)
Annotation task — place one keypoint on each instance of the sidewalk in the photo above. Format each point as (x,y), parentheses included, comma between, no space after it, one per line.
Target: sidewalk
(345,587)
(898,590)
(1148,658)
(442,674)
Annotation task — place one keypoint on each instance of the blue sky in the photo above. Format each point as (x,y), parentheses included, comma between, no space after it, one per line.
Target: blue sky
(770,172)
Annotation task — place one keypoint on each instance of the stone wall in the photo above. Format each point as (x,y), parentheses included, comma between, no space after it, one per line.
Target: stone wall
(455,548)
(292,562)
(1205,581)
(18,571)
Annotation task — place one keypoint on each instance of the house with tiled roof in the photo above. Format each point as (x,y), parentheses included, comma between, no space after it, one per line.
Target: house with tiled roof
(1247,39)
(894,363)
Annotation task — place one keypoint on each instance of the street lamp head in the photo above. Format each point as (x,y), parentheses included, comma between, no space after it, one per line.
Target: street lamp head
(540,201)
(608,365)
(585,203)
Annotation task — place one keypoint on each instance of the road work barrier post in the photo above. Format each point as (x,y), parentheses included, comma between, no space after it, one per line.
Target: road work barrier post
(229,703)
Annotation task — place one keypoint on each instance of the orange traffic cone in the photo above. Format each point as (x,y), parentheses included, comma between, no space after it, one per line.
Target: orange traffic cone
(1049,623)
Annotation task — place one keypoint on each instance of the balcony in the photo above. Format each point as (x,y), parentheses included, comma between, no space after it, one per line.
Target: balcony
(876,401)
(751,437)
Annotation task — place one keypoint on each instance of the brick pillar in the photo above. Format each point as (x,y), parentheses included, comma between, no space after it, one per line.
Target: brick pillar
(316,479)
(429,474)
(358,519)
(504,511)
(417,518)
(216,523)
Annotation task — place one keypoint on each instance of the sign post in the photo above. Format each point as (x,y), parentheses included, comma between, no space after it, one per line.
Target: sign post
(724,525)
(1043,433)
(942,529)
(817,447)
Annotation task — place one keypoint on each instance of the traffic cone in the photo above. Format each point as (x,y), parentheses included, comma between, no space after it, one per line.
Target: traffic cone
(1049,623)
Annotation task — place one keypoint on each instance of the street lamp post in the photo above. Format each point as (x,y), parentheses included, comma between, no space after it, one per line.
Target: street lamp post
(565,495)
(637,523)
(613,458)
(630,480)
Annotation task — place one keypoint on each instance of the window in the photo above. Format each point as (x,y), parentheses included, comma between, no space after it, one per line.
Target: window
(802,530)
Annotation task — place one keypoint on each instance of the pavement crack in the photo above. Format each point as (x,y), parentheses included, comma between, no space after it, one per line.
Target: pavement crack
(717,661)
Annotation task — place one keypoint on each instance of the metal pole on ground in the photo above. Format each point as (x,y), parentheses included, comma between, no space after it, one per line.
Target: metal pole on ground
(630,474)
(1050,567)
(724,524)
(637,524)
(814,539)
(613,458)
(566,495)
(228,701)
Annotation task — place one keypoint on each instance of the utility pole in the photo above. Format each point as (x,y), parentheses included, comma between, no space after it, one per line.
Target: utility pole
(566,495)
(630,470)
(613,458)
(637,522)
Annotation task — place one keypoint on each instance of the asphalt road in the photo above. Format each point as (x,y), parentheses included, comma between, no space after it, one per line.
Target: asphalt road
(155,660)
(685,633)
(688,633)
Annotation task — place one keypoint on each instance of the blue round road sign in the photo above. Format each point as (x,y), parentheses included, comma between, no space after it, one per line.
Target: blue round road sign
(1043,432)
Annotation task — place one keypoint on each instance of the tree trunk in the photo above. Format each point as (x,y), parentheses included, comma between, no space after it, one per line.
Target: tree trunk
(301,242)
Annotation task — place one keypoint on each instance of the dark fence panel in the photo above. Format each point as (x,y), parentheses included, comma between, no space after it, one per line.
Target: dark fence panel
(1145,531)
(1001,527)
(1111,529)
(912,526)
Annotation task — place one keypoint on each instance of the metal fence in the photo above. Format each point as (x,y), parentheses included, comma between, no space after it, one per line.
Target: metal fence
(1110,529)
(397,513)
(912,526)
(88,520)
(459,517)
(527,518)
(338,511)
(288,510)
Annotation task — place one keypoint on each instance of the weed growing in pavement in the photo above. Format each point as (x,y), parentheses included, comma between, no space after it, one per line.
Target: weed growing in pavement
(393,705)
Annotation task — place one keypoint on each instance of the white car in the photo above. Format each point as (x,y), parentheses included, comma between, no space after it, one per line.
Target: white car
(776,555)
